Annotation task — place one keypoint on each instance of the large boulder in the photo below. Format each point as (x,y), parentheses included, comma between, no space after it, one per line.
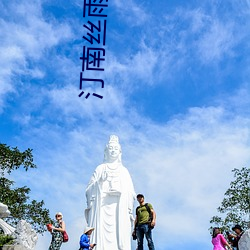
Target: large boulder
(244,242)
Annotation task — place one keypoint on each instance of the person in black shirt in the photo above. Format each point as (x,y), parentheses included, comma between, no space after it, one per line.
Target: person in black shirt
(236,237)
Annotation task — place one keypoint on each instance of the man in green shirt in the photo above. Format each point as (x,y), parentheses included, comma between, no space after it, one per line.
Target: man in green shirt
(144,223)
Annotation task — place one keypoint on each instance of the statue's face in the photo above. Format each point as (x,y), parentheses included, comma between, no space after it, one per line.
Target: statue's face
(114,150)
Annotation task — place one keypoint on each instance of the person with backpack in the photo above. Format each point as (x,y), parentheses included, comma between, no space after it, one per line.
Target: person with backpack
(144,223)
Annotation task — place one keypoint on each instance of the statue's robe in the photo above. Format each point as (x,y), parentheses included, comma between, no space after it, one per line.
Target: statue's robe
(110,197)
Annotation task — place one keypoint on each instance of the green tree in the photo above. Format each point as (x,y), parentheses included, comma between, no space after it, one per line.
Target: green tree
(235,207)
(17,199)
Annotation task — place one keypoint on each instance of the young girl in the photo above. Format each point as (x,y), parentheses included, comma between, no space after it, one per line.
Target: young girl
(218,240)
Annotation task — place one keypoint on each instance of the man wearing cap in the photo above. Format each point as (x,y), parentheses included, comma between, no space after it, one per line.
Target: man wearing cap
(239,231)
(84,240)
(142,224)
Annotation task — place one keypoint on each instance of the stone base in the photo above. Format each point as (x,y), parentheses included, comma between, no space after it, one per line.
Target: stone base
(13,247)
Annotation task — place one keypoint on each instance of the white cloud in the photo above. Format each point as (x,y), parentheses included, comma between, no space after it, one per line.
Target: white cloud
(68,102)
(217,42)
(198,19)
(142,65)
(198,33)
(25,40)
(138,67)
(131,12)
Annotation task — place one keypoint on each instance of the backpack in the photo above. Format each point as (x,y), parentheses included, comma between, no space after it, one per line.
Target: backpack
(149,212)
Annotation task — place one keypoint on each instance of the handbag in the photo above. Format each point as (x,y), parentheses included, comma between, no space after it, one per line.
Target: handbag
(65,236)
(134,235)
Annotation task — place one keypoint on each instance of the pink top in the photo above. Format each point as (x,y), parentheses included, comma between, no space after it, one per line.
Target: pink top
(219,242)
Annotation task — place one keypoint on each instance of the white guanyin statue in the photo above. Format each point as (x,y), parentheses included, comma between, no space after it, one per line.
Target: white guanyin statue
(110,197)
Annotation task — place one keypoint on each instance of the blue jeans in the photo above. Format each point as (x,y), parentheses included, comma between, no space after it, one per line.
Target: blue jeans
(142,230)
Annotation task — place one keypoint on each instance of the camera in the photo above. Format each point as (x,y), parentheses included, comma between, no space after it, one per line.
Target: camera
(134,235)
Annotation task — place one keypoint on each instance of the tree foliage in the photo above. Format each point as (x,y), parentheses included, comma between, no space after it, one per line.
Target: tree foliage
(17,199)
(235,207)
(12,159)
(6,239)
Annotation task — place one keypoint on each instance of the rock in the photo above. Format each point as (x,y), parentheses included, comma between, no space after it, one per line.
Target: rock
(244,242)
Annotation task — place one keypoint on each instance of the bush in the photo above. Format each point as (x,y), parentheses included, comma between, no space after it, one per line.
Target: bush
(6,240)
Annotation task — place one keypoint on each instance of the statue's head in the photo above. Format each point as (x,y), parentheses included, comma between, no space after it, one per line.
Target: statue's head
(113,150)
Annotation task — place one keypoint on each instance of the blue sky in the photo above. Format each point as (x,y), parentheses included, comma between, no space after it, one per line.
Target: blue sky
(176,92)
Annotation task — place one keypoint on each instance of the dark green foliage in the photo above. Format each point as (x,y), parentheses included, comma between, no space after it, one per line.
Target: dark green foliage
(17,199)
(6,240)
(11,159)
(235,206)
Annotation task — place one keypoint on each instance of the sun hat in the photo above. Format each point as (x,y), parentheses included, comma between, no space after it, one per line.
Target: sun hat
(87,229)
(59,213)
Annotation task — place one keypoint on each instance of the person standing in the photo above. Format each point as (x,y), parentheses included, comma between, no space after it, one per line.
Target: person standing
(143,225)
(85,239)
(56,231)
(218,240)
(239,231)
